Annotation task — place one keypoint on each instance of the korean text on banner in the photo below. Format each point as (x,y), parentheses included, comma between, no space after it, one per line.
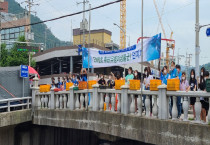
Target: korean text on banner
(98,58)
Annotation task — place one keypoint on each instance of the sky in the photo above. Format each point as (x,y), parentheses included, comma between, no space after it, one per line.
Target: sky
(178,16)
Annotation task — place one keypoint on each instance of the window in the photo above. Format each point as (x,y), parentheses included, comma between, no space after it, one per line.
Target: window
(3,36)
(7,31)
(2,31)
(16,29)
(12,30)
(12,35)
(7,36)
(17,35)
(21,28)
(22,34)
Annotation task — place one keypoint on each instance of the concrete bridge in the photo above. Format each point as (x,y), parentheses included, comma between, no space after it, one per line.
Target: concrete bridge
(71,110)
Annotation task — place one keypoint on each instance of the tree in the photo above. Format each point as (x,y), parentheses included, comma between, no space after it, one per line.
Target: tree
(4,55)
(14,57)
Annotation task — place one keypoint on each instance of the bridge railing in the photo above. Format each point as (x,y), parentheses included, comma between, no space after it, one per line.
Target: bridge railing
(7,105)
(122,101)
(186,102)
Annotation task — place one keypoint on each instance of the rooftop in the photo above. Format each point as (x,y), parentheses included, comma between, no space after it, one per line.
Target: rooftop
(77,31)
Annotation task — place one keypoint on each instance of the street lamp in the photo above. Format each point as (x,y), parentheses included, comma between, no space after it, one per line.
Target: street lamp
(124,38)
(123,32)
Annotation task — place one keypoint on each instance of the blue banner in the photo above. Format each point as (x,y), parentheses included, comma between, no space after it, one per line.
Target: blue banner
(99,58)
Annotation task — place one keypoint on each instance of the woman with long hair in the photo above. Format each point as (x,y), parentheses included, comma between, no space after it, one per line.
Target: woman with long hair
(192,87)
(202,87)
(149,77)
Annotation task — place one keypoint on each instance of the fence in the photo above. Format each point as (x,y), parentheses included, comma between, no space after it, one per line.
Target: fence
(127,102)
(7,105)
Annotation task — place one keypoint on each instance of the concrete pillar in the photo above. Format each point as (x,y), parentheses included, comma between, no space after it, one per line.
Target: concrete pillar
(60,66)
(163,111)
(72,99)
(95,97)
(71,64)
(35,89)
(124,100)
(52,99)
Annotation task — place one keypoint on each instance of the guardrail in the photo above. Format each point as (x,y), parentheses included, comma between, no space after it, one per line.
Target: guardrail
(123,101)
(7,105)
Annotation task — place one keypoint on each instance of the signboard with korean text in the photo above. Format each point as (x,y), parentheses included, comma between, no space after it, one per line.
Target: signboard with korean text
(24,71)
(98,58)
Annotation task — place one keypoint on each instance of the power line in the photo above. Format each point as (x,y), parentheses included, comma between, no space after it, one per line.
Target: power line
(73,14)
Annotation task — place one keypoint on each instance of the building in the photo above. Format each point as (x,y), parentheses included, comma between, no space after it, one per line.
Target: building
(8,21)
(4,6)
(100,37)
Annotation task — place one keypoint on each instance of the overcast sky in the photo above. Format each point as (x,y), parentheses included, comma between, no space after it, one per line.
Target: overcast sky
(178,16)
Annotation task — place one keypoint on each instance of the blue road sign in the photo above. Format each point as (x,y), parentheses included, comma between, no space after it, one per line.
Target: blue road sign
(24,71)
(208,32)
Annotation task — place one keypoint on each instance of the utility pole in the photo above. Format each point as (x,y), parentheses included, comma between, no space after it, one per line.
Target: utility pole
(83,21)
(197,45)
(142,35)
(30,4)
(89,36)
(29,29)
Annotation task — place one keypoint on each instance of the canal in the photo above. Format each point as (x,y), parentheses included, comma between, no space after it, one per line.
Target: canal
(29,134)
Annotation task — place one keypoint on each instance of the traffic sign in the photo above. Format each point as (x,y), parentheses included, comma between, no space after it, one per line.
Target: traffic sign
(28,48)
(24,71)
(208,32)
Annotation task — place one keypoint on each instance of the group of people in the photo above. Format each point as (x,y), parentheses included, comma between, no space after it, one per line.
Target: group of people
(72,78)
(110,81)
(194,84)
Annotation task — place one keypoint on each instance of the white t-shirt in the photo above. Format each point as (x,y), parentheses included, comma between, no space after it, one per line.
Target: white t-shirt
(147,80)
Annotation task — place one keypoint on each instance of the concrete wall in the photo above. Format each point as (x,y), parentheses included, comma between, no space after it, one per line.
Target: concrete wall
(7,135)
(15,117)
(147,130)
(29,134)
(8,123)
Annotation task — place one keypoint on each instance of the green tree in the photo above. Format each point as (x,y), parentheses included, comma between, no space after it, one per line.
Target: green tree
(16,57)
(3,56)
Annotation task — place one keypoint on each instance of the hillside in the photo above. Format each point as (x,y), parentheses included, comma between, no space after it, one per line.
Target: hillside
(39,29)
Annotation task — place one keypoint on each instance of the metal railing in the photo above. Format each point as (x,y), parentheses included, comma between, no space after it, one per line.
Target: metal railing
(7,105)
